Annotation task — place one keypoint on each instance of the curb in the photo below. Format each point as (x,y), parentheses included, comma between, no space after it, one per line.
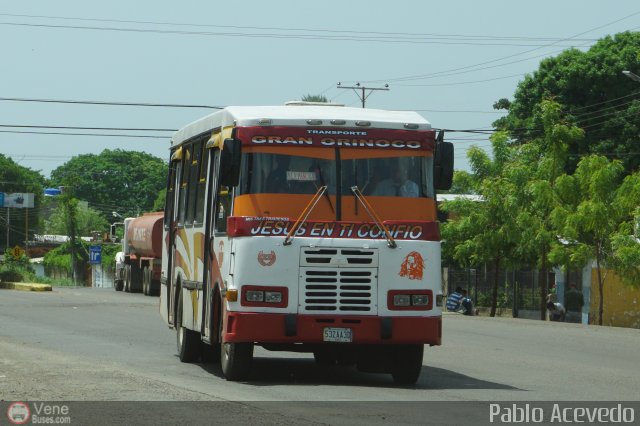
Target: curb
(25,286)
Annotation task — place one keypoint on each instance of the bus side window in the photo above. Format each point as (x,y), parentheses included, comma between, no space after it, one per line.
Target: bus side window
(184,186)
(194,177)
(170,195)
(202,181)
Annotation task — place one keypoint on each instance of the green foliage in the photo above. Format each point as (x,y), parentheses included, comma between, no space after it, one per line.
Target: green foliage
(16,265)
(130,180)
(109,254)
(16,178)
(87,220)
(158,204)
(314,98)
(593,91)
(60,257)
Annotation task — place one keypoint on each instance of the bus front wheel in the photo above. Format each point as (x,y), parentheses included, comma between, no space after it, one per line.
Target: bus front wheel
(407,364)
(236,360)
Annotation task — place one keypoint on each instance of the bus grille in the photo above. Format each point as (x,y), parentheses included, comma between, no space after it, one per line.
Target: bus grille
(338,280)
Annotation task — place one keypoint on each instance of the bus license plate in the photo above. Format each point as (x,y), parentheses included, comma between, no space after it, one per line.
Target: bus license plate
(332,334)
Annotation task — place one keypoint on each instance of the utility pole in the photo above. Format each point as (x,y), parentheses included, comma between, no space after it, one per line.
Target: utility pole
(8,226)
(363,95)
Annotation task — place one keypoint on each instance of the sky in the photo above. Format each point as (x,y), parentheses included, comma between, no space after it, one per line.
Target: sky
(448,60)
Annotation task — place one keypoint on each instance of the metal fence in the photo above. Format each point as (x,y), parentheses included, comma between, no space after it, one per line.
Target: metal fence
(517,290)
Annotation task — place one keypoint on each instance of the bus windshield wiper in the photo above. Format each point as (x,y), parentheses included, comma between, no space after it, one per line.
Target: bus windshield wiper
(372,214)
(305,214)
(326,194)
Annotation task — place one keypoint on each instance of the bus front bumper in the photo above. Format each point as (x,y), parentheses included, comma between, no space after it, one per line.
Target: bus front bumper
(293,328)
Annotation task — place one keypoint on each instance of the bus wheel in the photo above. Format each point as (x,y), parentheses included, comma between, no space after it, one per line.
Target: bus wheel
(407,364)
(325,357)
(235,360)
(189,344)
(211,353)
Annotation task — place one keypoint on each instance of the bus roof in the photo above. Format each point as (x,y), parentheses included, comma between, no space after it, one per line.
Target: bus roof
(298,115)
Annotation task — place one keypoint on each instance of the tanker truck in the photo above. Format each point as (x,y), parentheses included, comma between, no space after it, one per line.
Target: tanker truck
(138,265)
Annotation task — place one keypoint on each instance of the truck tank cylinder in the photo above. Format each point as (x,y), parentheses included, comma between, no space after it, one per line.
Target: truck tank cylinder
(144,235)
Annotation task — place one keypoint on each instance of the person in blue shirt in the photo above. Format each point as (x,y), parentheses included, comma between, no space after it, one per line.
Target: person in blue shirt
(399,185)
(454,300)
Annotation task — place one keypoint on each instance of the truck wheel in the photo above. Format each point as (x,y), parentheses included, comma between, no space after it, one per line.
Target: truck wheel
(127,278)
(189,343)
(407,364)
(135,280)
(236,360)
(118,285)
(145,281)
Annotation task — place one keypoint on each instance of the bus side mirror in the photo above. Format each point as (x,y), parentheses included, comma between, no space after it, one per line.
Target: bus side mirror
(443,165)
(230,162)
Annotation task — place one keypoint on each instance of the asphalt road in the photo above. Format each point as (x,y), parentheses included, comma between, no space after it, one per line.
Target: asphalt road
(83,344)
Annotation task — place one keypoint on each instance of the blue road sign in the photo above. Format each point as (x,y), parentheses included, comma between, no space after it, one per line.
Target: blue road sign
(1,199)
(95,255)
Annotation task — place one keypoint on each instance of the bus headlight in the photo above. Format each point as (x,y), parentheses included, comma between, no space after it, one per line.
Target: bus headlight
(273,297)
(419,299)
(401,300)
(266,296)
(254,296)
(410,300)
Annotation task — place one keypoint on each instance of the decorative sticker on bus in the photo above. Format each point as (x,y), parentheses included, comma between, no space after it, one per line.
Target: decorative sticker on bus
(267,259)
(348,138)
(243,226)
(413,266)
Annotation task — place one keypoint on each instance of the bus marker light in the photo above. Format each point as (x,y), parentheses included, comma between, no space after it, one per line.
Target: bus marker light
(232,295)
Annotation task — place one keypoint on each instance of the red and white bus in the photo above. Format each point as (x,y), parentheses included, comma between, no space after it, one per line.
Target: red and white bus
(307,228)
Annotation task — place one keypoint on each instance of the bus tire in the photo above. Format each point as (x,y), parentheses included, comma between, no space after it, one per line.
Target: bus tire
(236,360)
(325,357)
(118,285)
(188,341)
(407,364)
(211,352)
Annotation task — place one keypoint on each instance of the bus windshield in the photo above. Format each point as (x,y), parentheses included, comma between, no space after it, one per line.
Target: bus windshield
(391,176)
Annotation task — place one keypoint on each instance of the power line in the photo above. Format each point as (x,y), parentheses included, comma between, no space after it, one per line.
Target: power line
(459,83)
(137,129)
(473,68)
(85,134)
(140,104)
(322,30)
(355,38)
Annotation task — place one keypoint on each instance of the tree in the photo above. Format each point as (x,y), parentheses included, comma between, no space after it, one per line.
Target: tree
(594,206)
(87,220)
(533,173)
(16,178)
(592,89)
(315,98)
(485,232)
(115,180)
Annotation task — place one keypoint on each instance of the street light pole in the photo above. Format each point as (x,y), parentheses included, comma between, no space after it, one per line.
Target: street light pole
(631,75)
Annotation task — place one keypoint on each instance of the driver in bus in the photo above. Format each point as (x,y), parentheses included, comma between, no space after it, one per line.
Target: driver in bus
(398,185)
